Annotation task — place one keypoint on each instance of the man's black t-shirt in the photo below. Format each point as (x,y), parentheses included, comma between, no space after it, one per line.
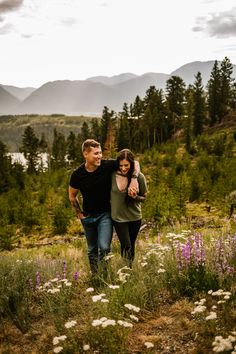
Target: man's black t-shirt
(95,186)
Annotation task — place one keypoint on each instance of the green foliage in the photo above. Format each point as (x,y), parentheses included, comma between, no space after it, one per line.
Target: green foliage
(61,218)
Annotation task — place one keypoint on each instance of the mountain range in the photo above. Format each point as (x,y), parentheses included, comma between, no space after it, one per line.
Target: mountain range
(88,97)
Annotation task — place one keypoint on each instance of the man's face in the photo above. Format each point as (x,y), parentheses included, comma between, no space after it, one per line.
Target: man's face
(93,156)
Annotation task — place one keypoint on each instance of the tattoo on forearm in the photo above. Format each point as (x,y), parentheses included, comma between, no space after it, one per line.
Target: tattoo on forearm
(76,206)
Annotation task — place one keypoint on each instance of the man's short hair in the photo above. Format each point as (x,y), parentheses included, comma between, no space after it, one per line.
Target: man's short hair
(88,144)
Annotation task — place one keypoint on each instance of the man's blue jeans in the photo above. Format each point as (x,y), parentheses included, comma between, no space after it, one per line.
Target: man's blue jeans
(98,232)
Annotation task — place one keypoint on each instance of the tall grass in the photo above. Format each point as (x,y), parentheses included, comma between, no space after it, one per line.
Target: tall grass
(50,289)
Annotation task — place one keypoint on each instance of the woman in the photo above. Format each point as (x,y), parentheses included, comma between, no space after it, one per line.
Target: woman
(126,208)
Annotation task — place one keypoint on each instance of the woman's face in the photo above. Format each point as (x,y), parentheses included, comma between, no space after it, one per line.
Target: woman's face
(124,166)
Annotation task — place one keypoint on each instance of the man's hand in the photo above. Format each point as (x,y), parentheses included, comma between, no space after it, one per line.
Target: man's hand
(133,187)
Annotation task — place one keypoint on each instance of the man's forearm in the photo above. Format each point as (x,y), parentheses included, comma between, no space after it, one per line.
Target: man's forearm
(136,169)
(75,205)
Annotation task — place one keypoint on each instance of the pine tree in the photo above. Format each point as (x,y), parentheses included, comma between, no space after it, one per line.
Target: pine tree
(175,89)
(214,94)
(199,105)
(226,71)
(30,149)
(58,150)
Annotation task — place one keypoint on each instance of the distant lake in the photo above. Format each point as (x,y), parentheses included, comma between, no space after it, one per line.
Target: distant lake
(19,157)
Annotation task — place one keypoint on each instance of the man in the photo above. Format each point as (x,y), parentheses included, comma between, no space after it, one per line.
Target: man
(93,180)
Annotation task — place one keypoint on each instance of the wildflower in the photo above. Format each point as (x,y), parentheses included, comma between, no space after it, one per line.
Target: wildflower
(210,292)
(89,290)
(123,268)
(124,323)
(57,349)
(132,307)
(56,340)
(221,302)
(96,298)
(54,280)
(134,318)
(70,324)
(86,347)
(161,270)
(198,309)
(113,286)
(212,316)
(103,319)
(221,344)
(53,291)
(149,345)
(108,323)
(104,300)
(68,283)
(76,275)
(96,323)
(109,256)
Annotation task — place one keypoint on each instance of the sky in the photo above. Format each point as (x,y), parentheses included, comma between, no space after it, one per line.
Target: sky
(48,40)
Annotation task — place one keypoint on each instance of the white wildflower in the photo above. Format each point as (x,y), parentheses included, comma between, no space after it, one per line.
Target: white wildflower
(221,302)
(114,286)
(86,347)
(89,290)
(56,340)
(103,319)
(124,323)
(198,309)
(54,280)
(53,291)
(70,324)
(132,307)
(149,345)
(109,256)
(221,344)
(96,323)
(68,283)
(212,316)
(161,270)
(134,318)
(57,349)
(104,300)
(108,323)
(210,292)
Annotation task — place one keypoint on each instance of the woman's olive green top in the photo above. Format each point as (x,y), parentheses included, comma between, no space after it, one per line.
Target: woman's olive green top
(121,211)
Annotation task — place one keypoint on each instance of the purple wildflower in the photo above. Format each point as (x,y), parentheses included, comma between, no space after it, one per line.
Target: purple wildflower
(76,275)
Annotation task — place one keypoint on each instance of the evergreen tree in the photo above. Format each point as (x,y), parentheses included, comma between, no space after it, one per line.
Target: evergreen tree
(175,89)
(43,145)
(214,94)
(188,118)
(199,105)
(124,132)
(5,163)
(71,148)
(30,149)
(85,132)
(95,131)
(105,124)
(58,150)
(226,71)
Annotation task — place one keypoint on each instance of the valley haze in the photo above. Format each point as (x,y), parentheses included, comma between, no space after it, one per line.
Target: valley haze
(88,97)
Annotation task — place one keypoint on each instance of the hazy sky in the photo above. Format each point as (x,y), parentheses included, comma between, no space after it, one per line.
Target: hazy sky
(47,40)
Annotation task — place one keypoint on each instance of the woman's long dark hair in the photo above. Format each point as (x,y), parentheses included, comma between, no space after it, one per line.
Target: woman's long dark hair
(126,154)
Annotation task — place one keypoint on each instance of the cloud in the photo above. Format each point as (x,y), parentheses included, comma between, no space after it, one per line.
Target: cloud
(6,28)
(69,21)
(10,5)
(219,25)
